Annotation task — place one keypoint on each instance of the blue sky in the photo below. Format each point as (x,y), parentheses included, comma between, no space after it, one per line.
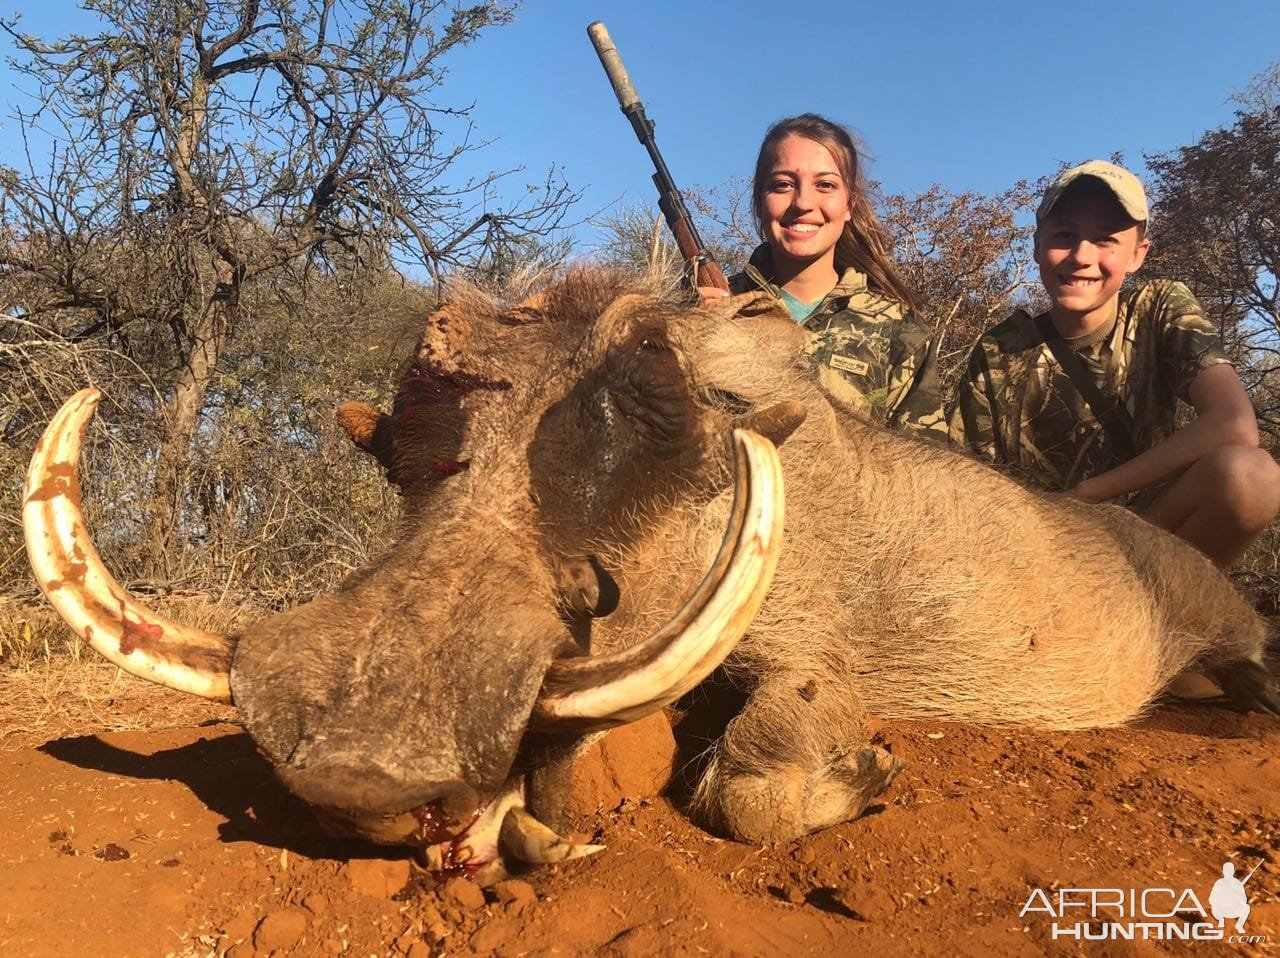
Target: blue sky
(970,95)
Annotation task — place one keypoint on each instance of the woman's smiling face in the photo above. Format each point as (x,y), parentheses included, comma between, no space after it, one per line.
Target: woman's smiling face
(805,203)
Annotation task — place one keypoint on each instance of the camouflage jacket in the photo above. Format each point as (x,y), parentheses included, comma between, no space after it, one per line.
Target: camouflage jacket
(1016,406)
(869,354)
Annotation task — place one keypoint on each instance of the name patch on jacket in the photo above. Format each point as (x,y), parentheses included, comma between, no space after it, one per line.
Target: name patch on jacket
(848,365)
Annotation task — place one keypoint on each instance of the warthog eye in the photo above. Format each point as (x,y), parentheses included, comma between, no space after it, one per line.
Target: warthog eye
(653,345)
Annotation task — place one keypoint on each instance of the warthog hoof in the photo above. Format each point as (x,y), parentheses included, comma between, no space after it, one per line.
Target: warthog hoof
(1248,686)
(788,801)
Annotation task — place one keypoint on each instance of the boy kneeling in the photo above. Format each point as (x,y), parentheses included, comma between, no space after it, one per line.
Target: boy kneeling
(1083,397)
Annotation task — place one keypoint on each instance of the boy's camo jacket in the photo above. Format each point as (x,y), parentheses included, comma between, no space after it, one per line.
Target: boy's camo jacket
(1016,406)
(869,353)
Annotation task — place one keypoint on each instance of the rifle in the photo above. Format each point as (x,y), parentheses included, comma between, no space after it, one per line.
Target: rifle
(706,272)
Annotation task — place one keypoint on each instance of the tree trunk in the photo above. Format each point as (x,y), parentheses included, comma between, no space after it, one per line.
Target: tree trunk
(207,337)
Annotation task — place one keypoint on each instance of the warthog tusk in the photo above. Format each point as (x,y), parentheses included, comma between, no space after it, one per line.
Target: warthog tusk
(526,839)
(503,834)
(71,574)
(607,690)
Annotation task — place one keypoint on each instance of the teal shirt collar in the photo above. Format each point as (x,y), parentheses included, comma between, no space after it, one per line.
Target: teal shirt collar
(799,311)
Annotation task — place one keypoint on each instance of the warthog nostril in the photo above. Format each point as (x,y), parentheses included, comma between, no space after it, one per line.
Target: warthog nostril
(375,791)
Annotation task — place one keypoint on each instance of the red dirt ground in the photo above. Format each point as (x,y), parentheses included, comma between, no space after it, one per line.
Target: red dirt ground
(178,841)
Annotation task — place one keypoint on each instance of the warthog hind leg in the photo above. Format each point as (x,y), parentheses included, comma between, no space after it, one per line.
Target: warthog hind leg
(1248,686)
(785,802)
(796,760)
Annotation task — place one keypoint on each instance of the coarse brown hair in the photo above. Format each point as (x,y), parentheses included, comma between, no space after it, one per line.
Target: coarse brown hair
(864,243)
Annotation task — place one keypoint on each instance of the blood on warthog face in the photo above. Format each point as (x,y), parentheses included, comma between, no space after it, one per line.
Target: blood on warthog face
(526,441)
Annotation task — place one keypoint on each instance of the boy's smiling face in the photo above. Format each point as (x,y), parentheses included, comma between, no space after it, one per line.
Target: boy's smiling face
(1085,247)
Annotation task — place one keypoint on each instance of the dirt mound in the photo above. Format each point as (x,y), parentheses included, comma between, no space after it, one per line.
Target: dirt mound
(179,841)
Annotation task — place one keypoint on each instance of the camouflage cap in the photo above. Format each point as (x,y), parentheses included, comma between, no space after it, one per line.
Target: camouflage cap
(1124,185)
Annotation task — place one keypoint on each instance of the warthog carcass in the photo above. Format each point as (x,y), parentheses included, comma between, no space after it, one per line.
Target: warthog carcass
(568,469)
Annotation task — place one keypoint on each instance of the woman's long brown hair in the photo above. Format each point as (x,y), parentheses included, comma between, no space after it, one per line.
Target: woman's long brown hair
(863,244)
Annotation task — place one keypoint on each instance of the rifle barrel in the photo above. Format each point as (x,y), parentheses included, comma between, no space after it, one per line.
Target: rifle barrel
(706,272)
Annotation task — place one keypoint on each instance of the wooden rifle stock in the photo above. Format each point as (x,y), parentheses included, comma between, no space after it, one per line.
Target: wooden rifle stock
(706,271)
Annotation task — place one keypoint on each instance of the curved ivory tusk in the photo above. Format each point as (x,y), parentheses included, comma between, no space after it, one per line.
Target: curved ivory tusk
(71,574)
(526,839)
(503,834)
(606,690)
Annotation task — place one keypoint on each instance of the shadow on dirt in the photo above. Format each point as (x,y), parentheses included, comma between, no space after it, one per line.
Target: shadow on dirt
(1211,719)
(225,772)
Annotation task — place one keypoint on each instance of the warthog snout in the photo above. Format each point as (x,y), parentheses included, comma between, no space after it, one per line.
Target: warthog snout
(375,791)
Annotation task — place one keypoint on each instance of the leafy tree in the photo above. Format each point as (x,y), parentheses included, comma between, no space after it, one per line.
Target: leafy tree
(967,257)
(1216,227)
(726,221)
(199,150)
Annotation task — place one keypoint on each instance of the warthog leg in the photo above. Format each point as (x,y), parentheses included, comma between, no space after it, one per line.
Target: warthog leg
(794,761)
(1248,686)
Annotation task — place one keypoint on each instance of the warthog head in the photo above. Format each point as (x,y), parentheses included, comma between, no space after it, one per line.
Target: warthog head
(534,446)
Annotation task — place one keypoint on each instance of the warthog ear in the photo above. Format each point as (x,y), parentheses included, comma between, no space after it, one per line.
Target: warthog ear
(528,310)
(368,429)
(747,305)
(775,422)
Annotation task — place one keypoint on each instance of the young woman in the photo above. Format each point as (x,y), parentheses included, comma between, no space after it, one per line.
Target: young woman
(824,257)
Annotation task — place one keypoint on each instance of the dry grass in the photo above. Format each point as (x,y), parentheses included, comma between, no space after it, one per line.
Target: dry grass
(31,632)
(31,635)
(1263,556)
(52,685)
(1258,573)
(63,697)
